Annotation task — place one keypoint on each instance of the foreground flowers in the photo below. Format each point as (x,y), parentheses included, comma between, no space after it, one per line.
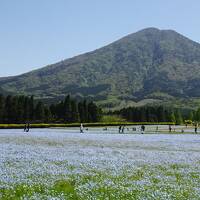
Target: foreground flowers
(63,164)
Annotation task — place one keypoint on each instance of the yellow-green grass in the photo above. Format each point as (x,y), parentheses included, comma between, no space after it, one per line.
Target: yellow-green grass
(112,118)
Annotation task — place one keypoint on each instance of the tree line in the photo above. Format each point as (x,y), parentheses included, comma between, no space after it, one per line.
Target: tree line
(21,109)
(195,115)
(151,114)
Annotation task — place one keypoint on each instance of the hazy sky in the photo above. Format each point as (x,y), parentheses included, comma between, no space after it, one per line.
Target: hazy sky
(35,33)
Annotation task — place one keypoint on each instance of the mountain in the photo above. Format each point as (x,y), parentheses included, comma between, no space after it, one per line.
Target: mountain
(148,66)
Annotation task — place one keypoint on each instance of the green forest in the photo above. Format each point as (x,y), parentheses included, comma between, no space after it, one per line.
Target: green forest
(152,114)
(158,114)
(23,109)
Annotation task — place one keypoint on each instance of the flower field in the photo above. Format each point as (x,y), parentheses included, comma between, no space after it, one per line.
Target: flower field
(64,164)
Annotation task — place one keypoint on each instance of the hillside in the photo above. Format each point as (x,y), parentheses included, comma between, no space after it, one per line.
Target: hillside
(148,66)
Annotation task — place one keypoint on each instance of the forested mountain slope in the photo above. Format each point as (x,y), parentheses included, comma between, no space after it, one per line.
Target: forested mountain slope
(151,64)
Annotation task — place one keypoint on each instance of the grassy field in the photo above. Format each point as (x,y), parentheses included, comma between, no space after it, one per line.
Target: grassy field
(64,164)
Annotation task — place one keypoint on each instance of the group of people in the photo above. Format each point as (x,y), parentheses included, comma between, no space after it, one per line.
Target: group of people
(121,129)
(182,130)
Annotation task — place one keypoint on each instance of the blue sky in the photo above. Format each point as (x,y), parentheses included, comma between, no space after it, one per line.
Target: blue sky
(35,33)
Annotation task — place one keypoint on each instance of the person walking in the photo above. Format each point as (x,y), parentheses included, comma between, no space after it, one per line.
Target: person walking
(123,129)
(120,128)
(170,128)
(142,129)
(81,128)
(25,127)
(195,128)
(28,127)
